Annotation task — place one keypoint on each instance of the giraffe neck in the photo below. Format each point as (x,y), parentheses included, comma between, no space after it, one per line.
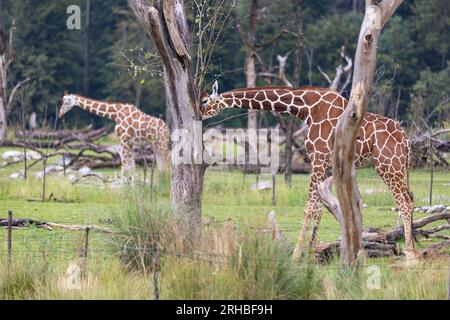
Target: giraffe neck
(297,102)
(102,109)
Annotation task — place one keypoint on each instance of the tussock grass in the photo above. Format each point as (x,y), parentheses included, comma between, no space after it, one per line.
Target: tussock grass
(227,263)
(234,260)
(22,279)
(424,280)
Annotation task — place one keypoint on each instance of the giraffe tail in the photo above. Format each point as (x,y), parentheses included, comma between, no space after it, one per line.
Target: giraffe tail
(407,167)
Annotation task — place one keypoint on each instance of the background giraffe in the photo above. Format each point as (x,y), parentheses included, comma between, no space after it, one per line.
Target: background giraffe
(132,127)
(381,140)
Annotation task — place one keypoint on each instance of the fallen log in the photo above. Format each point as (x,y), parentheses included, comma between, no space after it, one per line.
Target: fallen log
(373,244)
(20,223)
(90,136)
(51,134)
(377,243)
(434,249)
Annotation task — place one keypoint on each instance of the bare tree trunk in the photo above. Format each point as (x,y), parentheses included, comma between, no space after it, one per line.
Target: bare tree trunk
(376,16)
(6,59)
(87,50)
(3,113)
(250,74)
(165,22)
(4,53)
(297,73)
(250,70)
(137,100)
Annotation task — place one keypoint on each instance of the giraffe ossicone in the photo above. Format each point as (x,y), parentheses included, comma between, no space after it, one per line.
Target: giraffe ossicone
(380,140)
(133,127)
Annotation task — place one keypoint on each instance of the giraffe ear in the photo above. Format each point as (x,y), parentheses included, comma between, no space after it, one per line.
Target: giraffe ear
(215,88)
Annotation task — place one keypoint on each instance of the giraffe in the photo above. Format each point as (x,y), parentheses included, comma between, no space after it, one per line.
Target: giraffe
(381,141)
(132,127)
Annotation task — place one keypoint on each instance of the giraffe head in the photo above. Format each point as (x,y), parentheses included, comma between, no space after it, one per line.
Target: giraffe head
(68,102)
(211,104)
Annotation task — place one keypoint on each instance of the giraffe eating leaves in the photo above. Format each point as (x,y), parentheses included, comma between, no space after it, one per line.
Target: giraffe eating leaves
(132,127)
(381,141)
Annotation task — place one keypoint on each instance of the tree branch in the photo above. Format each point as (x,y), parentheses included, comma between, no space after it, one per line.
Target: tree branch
(387,9)
(148,17)
(326,76)
(271,40)
(328,199)
(340,71)
(170,10)
(14,91)
(282,69)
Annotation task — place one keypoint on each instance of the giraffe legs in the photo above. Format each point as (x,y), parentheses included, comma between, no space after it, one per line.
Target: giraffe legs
(127,163)
(397,183)
(317,217)
(313,209)
(162,156)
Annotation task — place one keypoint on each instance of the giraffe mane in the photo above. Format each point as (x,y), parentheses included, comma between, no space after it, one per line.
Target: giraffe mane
(284,88)
(100,101)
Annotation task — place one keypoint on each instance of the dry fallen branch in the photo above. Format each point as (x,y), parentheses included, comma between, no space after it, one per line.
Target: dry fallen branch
(422,142)
(57,139)
(77,147)
(377,243)
(26,222)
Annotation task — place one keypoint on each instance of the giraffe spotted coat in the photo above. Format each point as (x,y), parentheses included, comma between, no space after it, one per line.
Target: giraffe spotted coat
(381,141)
(133,127)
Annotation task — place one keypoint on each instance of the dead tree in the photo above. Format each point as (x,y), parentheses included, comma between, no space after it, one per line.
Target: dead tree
(250,41)
(7,57)
(376,16)
(165,22)
(341,70)
(290,135)
(290,126)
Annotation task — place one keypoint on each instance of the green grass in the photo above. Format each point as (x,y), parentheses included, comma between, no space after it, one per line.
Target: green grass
(41,257)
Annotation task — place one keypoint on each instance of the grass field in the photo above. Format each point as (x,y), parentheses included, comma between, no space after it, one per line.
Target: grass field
(41,257)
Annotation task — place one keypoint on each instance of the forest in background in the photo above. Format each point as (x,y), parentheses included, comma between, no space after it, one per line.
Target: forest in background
(411,81)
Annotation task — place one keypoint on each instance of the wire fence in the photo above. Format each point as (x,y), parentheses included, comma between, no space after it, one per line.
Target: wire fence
(64,246)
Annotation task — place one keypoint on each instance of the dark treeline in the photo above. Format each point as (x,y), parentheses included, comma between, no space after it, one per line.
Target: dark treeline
(411,81)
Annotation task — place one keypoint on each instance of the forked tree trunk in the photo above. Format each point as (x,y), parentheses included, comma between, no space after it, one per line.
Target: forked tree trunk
(165,22)
(376,16)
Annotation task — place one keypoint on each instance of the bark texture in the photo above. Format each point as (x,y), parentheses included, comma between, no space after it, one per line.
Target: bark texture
(376,16)
(250,69)
(165,22)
